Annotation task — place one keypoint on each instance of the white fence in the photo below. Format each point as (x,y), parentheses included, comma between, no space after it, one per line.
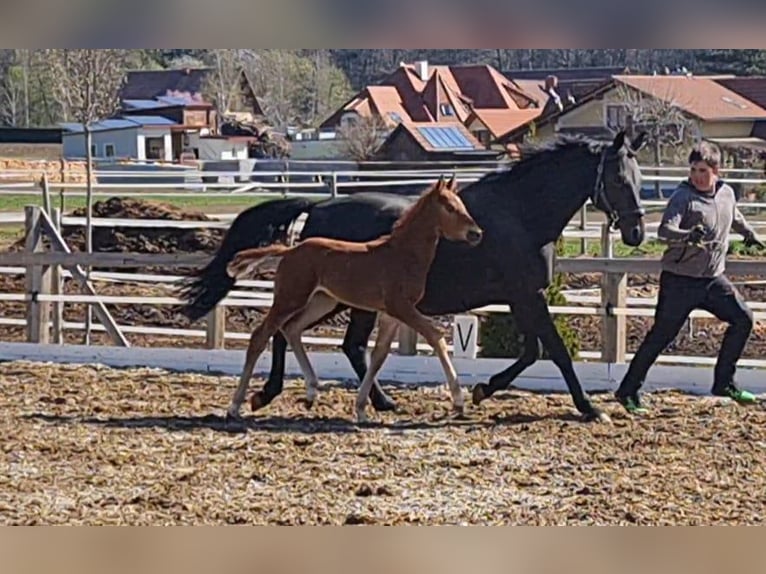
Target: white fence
(257,294)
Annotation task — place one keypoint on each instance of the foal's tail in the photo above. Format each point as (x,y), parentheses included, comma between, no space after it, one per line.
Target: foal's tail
(245,262)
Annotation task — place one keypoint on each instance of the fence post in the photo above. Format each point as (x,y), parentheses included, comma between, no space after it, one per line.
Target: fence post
(614,293)
(408,340)
(57,288)
(216,327)
(583,227)
(607,247)
(334,185)
(37,280)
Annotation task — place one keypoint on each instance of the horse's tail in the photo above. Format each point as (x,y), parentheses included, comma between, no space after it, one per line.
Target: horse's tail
(246,261)
(259,225)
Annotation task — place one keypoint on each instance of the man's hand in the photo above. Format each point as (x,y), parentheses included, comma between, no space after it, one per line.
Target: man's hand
(696,234)
(752,240)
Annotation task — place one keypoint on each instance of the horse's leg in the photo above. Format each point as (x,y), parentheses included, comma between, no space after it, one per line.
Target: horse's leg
(360,327)
(278,315)
(387,329)
(539,315)
(503,379)
(420,323)
(275,383)
(318,307)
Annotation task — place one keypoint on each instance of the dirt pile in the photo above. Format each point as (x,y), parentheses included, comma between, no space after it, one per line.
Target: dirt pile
(144,239)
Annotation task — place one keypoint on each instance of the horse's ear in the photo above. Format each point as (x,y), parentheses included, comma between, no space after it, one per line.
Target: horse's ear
(451,182)
(638,143)
(619,140)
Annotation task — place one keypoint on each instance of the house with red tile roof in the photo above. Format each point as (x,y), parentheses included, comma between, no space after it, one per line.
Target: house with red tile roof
(477,97)
(714,110)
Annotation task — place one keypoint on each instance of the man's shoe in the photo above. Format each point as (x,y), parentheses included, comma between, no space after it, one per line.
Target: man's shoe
(632,404)
(733,392)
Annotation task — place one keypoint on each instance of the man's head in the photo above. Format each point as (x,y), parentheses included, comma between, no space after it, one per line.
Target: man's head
(704,162)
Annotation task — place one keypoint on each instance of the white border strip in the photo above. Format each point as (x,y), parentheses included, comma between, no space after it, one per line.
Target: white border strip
(542,376)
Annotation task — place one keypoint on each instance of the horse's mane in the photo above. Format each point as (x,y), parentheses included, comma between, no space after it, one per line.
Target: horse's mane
(412,212)
(533,155)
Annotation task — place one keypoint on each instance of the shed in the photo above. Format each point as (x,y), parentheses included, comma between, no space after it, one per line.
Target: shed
(138,137)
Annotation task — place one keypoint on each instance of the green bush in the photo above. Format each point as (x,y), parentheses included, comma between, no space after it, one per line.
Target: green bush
(500,337)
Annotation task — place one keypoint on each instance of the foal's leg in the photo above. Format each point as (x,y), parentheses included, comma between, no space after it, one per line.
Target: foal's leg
(415,319)
(276,317)
(318,307)
(387,329)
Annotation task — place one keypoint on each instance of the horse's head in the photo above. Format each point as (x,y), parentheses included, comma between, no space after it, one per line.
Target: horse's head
(618,186)
(455,223)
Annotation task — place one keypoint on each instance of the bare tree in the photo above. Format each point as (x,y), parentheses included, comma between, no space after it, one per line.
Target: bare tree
(14,87)
(86,84)
(660,116)
(361,137)
(224,83)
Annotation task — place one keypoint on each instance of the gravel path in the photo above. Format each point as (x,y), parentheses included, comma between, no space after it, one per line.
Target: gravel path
(94,445)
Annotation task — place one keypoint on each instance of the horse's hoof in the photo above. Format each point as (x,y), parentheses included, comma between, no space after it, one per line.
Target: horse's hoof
(257,401)
(478,394)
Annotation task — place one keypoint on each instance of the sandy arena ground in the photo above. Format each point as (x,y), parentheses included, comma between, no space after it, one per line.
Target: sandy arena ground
(94,445)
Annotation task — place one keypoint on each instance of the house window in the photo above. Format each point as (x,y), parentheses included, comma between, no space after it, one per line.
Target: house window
(109,150)
(616,116)
(446,110)
(154,148)
(93,150)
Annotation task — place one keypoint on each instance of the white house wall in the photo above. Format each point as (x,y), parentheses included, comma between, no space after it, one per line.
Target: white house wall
(215,149)
(124,142)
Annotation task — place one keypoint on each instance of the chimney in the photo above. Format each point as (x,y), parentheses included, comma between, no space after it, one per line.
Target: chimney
(421,67)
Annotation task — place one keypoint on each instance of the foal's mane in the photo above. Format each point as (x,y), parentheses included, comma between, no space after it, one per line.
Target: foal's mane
(540,155)
(412,212)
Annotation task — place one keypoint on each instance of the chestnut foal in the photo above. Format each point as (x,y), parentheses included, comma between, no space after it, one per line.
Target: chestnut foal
(386,275)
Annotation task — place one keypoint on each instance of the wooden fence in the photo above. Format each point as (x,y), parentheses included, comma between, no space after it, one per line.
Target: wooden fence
(44,298)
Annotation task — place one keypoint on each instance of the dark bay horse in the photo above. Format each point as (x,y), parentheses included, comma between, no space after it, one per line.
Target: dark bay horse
(386,276)
(523,211)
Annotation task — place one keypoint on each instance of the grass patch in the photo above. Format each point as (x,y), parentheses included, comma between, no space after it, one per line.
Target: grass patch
(13,202)
(651,247)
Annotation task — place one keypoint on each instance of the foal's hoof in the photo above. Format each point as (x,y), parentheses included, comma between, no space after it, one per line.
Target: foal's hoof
(232,417)
(597,416)
(458,411)
(479,393)
(361,417)
(307,402)
(258,401)
(384,404)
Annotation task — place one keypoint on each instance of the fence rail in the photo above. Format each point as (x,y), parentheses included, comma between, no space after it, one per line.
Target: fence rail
(44,296)
(44,271)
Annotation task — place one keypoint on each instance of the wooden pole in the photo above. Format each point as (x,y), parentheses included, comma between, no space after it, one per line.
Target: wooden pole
(216,327)
(614,293)
(88,220)
(408,340)
(37,280)
(57,288)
